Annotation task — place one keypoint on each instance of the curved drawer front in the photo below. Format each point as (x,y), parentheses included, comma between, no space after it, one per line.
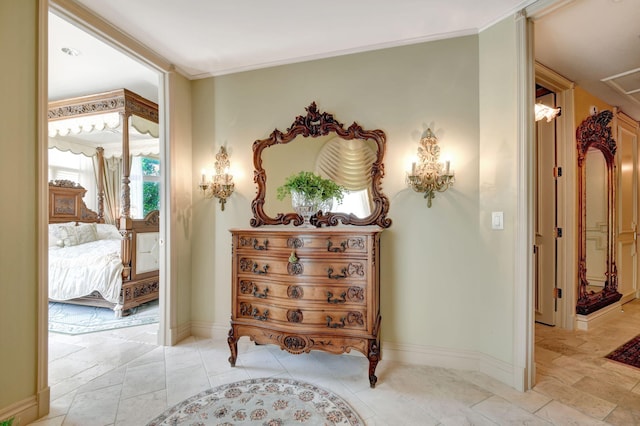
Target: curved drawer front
(332,269)
(329,243)
(329,319)
(337,295)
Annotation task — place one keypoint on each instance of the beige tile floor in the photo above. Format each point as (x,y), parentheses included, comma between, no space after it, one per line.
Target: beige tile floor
(122,378)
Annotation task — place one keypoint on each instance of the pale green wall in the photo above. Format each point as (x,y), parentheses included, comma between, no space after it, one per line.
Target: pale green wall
(179,155)
(18,217)
(432,269)
(494,291)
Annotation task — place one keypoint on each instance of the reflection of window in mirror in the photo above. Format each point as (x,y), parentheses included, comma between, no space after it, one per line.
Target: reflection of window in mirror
(348,163)
(355,202)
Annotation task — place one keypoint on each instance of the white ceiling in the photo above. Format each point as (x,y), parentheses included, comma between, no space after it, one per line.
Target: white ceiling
(587,40)
(590,40)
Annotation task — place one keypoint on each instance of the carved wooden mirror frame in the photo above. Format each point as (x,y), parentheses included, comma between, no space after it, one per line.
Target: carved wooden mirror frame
(316,124)
(594,133)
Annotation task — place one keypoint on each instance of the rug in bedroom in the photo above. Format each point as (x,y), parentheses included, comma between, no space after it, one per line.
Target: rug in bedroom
(629,353)
(269,401)
(76,319)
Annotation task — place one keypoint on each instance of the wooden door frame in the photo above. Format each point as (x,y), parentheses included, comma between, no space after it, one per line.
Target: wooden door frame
(105,31)
(567,191)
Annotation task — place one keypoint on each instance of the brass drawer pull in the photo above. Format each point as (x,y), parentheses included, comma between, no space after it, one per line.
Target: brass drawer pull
(249,311)
(342,299)
(337,276)
(356,243)
(257,271)
(341,249)
(258,247)
(335,324)
(249,242)
(262,317)
(248,265)
(262,295)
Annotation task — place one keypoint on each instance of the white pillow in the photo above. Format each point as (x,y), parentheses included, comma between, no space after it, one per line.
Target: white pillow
(86,233)
(72,235)
(107,231)
(55,239)
(67,234)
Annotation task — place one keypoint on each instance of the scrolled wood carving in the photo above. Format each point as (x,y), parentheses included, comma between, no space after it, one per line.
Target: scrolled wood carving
(121,100)
(315,124)
(294,344)
(295,292)
(594,132)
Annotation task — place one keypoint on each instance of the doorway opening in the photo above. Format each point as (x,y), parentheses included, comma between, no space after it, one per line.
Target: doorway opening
(547,229)
(80,64)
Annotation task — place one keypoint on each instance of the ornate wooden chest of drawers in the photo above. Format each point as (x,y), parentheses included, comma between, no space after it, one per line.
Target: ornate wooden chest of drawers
(307,289)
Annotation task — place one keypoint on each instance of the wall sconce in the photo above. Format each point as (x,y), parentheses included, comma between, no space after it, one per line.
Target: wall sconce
(544,111)
(221,184)
(430,175)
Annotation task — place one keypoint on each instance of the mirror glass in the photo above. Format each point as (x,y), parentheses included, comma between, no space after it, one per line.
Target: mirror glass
(346,162)
(318,143)
(597,272)
(596,219)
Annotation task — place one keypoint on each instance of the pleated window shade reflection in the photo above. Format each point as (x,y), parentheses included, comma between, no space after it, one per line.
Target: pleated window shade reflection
(346,162)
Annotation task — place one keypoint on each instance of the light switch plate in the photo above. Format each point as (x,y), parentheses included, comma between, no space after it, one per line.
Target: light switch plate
(497,220)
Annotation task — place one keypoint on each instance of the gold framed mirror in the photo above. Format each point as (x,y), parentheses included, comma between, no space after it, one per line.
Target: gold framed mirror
(317,142)
(597,272)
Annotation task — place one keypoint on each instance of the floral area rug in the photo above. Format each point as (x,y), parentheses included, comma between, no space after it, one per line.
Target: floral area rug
(629,353)
(76,319)
(268,402)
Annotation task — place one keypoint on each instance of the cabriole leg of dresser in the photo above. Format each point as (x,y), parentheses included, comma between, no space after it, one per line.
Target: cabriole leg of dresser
(374,357)
(233,346)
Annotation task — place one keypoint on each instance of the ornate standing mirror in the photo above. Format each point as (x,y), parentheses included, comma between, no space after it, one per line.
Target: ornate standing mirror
(597,273)
(317,142)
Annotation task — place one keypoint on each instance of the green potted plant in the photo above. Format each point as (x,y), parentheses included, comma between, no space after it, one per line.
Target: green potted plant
(310,193)
(7,422)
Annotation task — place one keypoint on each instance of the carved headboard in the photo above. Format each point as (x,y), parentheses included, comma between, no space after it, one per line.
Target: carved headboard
(66,203)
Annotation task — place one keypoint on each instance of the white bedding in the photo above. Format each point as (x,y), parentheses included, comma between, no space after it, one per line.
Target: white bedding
(80,270)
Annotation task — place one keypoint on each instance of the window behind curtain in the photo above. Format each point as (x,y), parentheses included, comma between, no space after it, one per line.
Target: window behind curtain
(145,186)
(65,165)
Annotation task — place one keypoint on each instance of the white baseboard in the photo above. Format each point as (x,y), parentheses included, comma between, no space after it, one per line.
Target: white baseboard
(584,322)
(209,330)
(413,354)
(458,359)
(628,297)
(180,333)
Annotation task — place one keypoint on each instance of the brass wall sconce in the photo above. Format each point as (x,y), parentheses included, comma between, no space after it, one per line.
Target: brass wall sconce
(429,174)
(221,183)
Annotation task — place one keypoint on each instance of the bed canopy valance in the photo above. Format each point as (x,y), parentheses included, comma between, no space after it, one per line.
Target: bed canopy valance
(82,124)
(113,125)
(118,123)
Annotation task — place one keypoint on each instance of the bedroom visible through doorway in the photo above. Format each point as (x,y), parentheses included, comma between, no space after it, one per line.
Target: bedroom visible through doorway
(123,190)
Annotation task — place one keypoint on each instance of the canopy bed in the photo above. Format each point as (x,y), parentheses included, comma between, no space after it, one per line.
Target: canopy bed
(112,264)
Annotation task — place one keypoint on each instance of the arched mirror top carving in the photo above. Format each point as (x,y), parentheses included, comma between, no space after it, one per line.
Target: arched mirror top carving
(594,132)
(597,271)
(319,126)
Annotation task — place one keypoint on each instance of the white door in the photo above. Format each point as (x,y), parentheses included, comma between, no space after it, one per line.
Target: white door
(546,219)
(626,136)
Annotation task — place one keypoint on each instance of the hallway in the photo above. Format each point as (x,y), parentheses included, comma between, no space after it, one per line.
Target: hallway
(135,380)
(572,370)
